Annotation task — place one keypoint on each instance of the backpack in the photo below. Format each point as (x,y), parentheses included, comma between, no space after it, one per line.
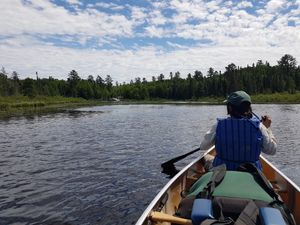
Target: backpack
(230,200)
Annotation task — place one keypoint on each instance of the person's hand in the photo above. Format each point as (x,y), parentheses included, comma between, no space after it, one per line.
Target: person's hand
(266,120)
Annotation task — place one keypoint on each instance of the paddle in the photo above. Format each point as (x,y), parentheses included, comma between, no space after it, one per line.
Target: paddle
(169,168)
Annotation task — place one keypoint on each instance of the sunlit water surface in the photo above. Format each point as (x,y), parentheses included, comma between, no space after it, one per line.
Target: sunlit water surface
(101,165)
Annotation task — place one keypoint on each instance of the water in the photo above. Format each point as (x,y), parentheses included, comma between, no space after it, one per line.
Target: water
(101,165)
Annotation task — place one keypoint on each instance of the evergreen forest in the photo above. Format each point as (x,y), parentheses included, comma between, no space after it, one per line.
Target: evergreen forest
(258,78)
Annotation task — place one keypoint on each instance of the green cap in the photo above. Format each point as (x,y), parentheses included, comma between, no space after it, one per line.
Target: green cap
(236,98)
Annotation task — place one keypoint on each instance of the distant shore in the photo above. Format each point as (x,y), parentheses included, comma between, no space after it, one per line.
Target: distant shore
(276,98)
(21,105)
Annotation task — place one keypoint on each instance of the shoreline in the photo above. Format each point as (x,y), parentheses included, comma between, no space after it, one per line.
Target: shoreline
(22,106)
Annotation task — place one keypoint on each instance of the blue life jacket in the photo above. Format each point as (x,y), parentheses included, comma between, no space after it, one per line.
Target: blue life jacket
(238,141)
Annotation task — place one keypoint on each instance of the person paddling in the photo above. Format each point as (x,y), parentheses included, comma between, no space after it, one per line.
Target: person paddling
(242,136)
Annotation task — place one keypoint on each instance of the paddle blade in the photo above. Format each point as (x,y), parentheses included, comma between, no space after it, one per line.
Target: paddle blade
(169,169)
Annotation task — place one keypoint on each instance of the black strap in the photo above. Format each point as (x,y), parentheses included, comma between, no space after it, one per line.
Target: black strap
(249,215)
(260,178)
(227,221)
(215,179)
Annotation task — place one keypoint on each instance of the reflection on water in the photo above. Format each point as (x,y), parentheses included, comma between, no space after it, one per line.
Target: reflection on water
(101,165)
(288,108)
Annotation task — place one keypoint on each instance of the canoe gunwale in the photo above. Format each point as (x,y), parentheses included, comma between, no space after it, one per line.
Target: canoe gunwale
(281,174)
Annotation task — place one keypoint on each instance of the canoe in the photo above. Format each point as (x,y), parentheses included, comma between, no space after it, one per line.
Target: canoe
(163,206)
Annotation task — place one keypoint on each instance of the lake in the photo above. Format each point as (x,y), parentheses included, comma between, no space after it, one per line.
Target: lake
(101,165)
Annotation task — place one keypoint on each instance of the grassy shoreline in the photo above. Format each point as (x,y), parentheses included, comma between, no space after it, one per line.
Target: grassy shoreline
(21,105)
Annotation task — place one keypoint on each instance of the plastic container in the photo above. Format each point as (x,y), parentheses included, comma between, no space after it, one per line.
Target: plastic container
(271,216)
(202,209)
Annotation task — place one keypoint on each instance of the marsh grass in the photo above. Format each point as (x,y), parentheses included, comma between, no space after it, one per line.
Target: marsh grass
(277,98)
(20,105)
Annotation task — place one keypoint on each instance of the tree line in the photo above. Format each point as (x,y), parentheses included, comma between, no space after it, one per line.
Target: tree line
(74,86)
(258,78)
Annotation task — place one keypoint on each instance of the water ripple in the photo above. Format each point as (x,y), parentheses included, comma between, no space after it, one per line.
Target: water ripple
(101,165)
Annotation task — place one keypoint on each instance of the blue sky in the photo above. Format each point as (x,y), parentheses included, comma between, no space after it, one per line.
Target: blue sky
(128,39)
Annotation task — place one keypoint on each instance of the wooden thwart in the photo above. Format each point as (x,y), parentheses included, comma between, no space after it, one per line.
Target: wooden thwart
(163,217)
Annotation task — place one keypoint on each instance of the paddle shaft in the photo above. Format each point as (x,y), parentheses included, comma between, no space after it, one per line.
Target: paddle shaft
(174,160)
(163,217)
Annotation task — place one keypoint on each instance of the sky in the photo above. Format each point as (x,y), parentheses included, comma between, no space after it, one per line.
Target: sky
(143,38)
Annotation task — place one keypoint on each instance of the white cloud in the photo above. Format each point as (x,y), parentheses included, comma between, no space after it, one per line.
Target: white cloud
(159,4)
(43,17)
(74,2)
(177,46)
(107,6)
(222,32)
(187,9)
(124,65)
(152,31)
(275,5)
(212,6)
(244,4)
(156,18)
(138,15)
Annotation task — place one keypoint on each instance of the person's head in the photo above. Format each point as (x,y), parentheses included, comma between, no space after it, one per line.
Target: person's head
(239,104)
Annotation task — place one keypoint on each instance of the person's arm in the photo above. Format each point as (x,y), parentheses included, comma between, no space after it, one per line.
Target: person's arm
(269,141)
(209,138)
